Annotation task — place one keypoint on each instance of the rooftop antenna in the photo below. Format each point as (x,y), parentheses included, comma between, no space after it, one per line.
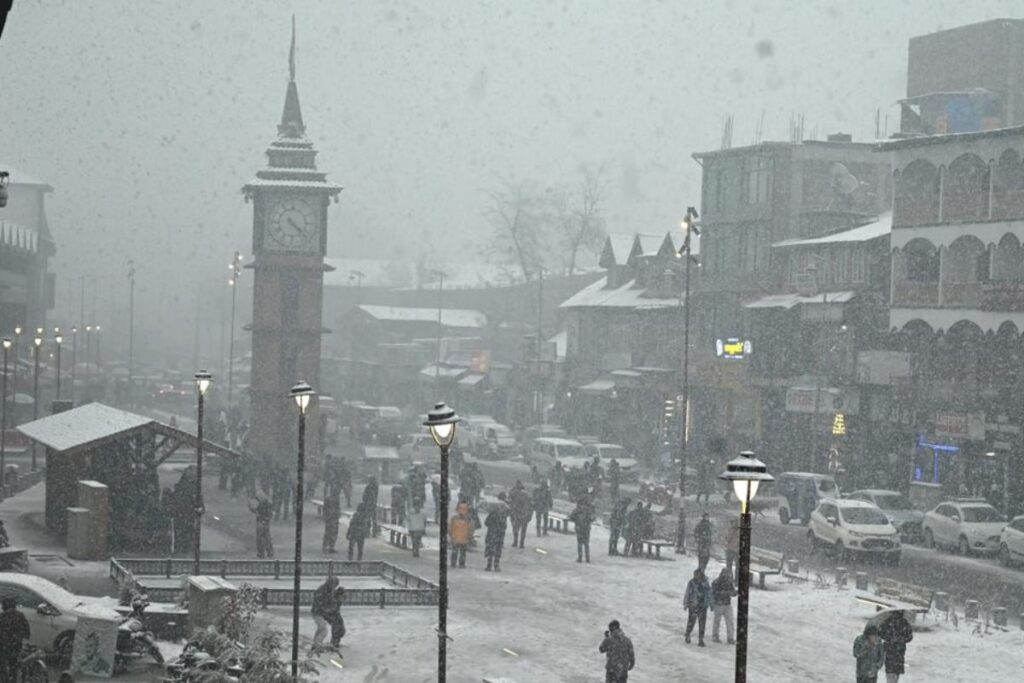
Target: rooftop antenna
(760,129)
(878,128)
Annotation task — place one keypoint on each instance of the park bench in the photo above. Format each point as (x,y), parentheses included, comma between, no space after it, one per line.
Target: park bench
(560,522)
(765,563)
(318,505)
(653,546)
(892,594)
(13,559)
(398,536)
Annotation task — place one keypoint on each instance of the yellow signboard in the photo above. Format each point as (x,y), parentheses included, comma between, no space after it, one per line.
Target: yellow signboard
(839,425)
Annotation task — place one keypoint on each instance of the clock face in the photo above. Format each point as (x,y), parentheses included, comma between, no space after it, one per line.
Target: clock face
(292,226)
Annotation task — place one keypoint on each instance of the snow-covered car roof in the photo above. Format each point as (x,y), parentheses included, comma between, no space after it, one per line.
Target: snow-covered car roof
(876,492)
(58,597)
(849,503)
(807,475)
(559,441)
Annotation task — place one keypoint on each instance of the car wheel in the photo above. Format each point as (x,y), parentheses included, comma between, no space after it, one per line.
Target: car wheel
(784,516)
(1004,555)
(63,646)
(929,539)
(963,546)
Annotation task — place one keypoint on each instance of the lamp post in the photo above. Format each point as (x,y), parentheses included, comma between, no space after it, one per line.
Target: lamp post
(441,421)
(236,270)
(302,394)
(3,425)
(14,389)
(440,326)
(203,380)
(745,472)
(74,358)
(37,343)
(689,228)
(58,340)
(88,352)
(131,338)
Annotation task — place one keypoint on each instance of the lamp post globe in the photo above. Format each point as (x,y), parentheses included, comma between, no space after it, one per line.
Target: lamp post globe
(746,473)
(441,421)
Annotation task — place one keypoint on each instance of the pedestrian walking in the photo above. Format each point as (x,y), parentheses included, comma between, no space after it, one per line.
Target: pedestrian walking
(614,479)
(722,590)
(521,509)
(345,479)
(619,656)
(460,532)
(435,493)
(471,483)
(732,545)
(557,476)
(542,504)
(371,492)
(582,518)
(702,534)
(617,524)
(634,527)
(14,631)
(897,632)
(337,621)
(681,530)
(332,511)
(705,484)
(869,653)
(358,529)
(399,494)
(697,601)
(264,512)
(325,607)
(494,540)
(416,522)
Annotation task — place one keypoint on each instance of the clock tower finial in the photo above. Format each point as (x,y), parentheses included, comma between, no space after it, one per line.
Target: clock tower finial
(291,118)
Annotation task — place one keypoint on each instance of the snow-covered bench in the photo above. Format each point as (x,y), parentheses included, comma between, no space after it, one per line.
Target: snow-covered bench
(765,563)
(398,536)
(560,522)
(653,546)
(892,594)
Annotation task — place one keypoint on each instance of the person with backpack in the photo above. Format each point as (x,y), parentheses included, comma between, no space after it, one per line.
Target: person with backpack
(358,529)
(722,591)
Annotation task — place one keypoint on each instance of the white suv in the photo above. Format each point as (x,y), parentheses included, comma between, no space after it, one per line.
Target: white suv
(853,526)
(1011,542)
(967,524)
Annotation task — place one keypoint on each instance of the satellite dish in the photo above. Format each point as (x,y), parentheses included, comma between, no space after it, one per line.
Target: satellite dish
(843,182)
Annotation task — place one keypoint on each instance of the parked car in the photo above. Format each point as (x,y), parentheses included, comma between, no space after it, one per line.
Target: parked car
(853,527)
(491,440)
(606,451)
(419,447)
(1011,542)
(543,430)
(965,524)
(800,492)
(546,451)
(52,612)
(897,508)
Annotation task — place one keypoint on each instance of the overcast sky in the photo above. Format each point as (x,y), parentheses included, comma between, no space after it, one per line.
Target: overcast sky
(147,116)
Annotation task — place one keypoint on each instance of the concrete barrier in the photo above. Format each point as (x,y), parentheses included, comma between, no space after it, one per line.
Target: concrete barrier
(941,599)
(862,581)
(972,610)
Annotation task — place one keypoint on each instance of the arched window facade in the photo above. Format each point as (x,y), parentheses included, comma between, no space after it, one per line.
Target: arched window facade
(916,201)
(965,189)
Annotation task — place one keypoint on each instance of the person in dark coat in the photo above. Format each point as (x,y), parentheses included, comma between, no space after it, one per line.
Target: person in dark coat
(634,530)
(619,656)
(471,483)
(264,512)
(345,479)
(358,529)
(14,631)
(681,531)
(324,610)
(494,540)
(617,524)
(399,495)
(722,591)
(648,527)
(897,632)
(332,511)
(520,510)
(370,494)
(614,479)
(542,504)
(702,534)
(697,601)
(705,484)
(582,518)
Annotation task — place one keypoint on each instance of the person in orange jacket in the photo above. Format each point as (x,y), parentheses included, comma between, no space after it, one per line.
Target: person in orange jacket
(460,533)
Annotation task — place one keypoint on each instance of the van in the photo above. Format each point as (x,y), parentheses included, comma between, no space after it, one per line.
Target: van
(546,451)
(800,492)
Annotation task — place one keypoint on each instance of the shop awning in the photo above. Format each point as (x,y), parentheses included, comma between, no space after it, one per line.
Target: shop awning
(432,371)
(598,387)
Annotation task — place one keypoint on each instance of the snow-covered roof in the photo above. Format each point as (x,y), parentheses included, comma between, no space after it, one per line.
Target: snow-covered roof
(82,426)
(18,178)
(294,185)
(432,371)
(598,386)
(450,317)
(791,300)
(561,342)
(617,248)
(864,233)
(595,295)
(650,245)
(472,379)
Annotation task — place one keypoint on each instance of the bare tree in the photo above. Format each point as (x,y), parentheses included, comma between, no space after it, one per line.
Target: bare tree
(517,214)
(579,216)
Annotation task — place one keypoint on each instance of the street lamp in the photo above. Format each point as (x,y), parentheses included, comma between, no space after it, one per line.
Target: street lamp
(689,228)
(202,380)
(236,270)
(441,421)
(746,473)
(88,352)
(58,340)
(3,425)
(37,343)
(74,358)
(302,394)
(17,338)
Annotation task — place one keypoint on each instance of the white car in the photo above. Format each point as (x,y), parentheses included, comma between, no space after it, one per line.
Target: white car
(491,440)
(1011,542)
(545,451)
(897,508)
(966,524)
(605,452)
(52,612)
(853,526)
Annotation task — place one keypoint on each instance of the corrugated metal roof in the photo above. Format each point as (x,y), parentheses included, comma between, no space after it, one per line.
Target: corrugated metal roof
(450,317)
(627,296)
(791,300)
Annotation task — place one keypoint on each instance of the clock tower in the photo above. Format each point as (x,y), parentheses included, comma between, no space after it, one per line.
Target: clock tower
(289,240)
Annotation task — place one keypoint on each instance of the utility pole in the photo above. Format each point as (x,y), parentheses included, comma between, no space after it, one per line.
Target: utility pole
(131,335)
(538,395)
(440,327)
(236,270)
(689,226)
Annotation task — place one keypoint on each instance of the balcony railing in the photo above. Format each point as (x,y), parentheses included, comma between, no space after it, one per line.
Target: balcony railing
(1001,296)
(960,294)
(913,294)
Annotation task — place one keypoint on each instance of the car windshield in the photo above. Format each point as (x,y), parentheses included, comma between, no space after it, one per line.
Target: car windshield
(570,451)
(612,452)
(893,502)
(866,516)
(981,514)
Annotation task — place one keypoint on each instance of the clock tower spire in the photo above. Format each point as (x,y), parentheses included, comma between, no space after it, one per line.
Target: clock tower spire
(290,199)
